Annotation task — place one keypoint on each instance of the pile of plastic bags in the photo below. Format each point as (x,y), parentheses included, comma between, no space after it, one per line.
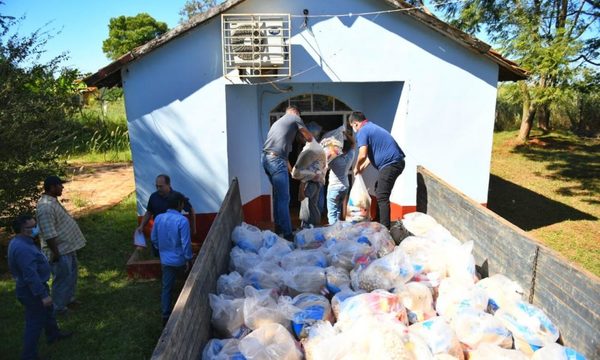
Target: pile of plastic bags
(348,292)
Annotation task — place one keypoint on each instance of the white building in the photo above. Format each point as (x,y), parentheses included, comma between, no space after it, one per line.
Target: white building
(194,113)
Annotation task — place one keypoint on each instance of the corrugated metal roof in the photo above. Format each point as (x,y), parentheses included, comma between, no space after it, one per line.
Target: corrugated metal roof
(110,75)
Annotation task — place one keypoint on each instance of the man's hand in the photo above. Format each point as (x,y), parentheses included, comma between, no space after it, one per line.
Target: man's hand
(140,229)
(188,266)
(47,301)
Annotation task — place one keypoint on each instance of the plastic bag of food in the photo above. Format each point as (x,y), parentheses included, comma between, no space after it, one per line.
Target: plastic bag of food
(262,307)
(276,252)
(359,201)
(227,316)
(389,272)
(418,300)
(454,296)
(340,297)
(439,336)
(311,161)
(309,238)
(501,290)
(460,262)
(231,284)
(310,308)
(371,304)
(265,275)
(247,237)
(529,325)
(494,352)
(556,352)
(347,254)
(304,279)
(418,223)
(222,349)
(333,142)
(373,234)
(241,260)
(474,327)
(313,257)
(336,278)
(271,239)
(270,342)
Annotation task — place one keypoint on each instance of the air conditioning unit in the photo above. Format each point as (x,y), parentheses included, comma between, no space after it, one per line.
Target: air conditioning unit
(246,43)
(256,45)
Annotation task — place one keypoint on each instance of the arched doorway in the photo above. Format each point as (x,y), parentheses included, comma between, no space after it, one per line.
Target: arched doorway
(326,111)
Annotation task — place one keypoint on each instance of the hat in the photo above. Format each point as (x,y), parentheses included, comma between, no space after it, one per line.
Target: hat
(53,180)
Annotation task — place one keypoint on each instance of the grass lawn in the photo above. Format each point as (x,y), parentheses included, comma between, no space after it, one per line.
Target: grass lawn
(118,318)
(550,187)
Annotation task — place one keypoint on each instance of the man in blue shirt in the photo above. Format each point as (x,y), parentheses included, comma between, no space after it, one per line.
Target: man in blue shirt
(31,271)
(157,204)
(171,236)
(377,147)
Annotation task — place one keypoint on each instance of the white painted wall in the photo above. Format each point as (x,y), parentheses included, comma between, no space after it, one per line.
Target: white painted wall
(177,119)
(436,97)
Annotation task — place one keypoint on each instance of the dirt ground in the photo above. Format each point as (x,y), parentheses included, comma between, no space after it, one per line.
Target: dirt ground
(94,187)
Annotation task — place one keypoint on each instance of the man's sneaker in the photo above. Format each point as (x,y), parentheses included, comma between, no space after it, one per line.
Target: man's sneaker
(61,336)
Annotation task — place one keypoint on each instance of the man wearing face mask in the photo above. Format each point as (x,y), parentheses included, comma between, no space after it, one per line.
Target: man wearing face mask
(31,272)
(61,238)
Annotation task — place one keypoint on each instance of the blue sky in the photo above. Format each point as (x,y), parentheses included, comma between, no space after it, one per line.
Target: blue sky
(83,25)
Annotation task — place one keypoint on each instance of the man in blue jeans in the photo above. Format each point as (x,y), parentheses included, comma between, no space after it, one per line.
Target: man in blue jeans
(376,146)
(277,166)
(31,271)
(171,236)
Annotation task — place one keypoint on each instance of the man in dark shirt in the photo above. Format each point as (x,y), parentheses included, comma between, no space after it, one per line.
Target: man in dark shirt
(377,147)
(277,166)
(31,271)
(157,204)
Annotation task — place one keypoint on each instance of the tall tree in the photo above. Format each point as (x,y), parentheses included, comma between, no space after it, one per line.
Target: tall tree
(193,7)
(125,33)
(35,100)
(552,39)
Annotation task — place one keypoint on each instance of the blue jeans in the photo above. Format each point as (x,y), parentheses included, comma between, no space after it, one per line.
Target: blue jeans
(277,171)
(310,215)
(169,274)
(37,317)
(335,202)
(64,280)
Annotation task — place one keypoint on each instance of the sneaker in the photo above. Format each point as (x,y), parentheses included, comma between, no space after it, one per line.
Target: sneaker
(61,336)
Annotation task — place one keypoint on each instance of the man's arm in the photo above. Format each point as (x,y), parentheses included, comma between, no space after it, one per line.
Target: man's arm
(154,236)
(186,243)
(45,219)
(28,267)
(144,222)
(362,162)
(306,134)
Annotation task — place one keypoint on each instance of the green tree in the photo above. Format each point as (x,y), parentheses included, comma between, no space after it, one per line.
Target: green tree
(552,39)
(35,100)
(125,33)
(193,7)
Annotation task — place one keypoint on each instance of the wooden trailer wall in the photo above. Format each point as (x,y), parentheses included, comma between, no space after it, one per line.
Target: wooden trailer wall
(568,294)
(189,329)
